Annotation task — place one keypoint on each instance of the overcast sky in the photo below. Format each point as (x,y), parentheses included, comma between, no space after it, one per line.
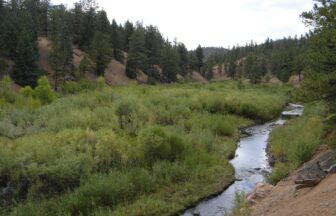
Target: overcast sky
(212,22)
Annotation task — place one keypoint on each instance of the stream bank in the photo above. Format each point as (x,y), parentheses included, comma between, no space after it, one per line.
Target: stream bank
(251,165)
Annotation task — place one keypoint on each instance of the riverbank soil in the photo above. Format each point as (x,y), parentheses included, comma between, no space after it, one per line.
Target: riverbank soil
(286,198)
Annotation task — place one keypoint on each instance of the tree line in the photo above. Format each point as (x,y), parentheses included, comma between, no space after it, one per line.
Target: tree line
(281,58)
(86,26)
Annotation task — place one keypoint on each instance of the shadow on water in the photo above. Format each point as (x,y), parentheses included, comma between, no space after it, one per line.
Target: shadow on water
(251,166)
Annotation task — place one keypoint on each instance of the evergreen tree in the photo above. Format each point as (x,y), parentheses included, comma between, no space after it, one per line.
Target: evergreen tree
(86,14)
(169,63)
(320,80)
(127,33)
(103,24)
(25,71)
(200,57)
(61,55)
(100,52)
(2,30)
(192,61)
(32,7)
(77,19)
(43,17)
(137,56)
(115,39)
(10,29)
(183,57)
(154,43)
(208,67)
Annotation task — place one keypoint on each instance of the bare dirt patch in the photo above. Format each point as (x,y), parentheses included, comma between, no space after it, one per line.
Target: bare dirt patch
(285,199)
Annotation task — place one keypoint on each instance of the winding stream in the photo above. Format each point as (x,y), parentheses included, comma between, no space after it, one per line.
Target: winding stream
(250,163)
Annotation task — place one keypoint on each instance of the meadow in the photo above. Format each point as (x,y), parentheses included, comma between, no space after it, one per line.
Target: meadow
(133,150)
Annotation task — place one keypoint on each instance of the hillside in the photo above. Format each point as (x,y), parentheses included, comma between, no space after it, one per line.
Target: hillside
(115,72)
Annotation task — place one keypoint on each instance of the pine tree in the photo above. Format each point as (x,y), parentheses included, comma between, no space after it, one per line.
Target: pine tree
(2,30)
(192,61)
(154,43)
(26,71)
(77,19)
(169,63)
(43,17)
(183,57)
(87,13)
(103,24)
(61,55)
(200,57)
(100,52)
(137,56)
(115,39)
(10,29)
(32,7)
(127,33)
(320,79)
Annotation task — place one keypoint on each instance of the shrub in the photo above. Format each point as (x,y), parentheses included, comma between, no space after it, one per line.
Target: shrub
(44,91)
(70,87)
(125,110)
(6,92)
(26,99)
(157,145)
(101,83)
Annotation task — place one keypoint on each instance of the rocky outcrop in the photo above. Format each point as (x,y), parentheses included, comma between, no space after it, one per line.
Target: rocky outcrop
(314,171)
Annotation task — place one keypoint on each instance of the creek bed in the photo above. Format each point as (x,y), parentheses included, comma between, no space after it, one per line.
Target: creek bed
(251,166)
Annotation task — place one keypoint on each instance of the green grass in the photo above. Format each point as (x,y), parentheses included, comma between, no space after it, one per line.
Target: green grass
(297,141)
(136,150)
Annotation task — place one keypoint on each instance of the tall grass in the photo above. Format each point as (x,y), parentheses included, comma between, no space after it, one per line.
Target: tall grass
(296,142)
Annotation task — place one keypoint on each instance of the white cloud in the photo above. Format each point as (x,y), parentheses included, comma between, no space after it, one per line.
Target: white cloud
(213,22)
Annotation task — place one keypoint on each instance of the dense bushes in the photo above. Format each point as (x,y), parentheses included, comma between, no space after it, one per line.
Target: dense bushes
(55,165)
(71,87)
(28,97)
(157,144)
(100,151)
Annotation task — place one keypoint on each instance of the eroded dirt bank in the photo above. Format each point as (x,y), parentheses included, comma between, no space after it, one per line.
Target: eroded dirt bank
(286,199)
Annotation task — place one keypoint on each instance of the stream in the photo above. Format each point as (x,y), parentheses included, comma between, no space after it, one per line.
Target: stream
(251,166)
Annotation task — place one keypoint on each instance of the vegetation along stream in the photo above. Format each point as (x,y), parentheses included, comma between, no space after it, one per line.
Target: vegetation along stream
(251,165)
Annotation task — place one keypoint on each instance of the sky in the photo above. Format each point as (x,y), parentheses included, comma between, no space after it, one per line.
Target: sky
(220,23)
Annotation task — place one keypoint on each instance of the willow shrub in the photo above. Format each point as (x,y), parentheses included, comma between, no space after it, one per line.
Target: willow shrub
(158,145)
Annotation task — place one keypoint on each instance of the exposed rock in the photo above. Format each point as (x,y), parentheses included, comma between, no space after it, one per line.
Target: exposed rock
(316,170)
(260,192)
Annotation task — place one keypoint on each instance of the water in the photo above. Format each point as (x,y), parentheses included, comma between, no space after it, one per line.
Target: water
(250,163)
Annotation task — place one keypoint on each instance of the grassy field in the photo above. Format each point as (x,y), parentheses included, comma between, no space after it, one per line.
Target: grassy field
(136,150)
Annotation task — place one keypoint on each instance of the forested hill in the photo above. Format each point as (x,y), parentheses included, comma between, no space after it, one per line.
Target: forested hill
(143,50)
(88,28)
(281,58)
